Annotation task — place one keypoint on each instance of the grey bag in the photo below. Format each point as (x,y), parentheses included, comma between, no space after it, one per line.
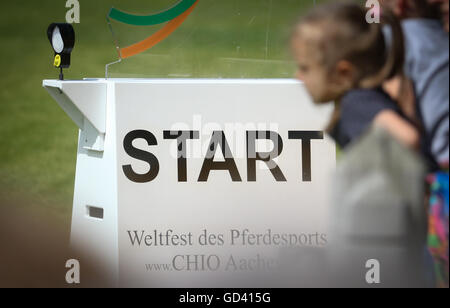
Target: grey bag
(379,212)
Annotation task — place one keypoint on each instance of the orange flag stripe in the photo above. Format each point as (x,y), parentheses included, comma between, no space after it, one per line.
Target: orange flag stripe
(157,37)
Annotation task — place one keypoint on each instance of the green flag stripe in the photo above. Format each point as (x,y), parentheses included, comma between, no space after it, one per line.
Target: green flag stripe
(150,20)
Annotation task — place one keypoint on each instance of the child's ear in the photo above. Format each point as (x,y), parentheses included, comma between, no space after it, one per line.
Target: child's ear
(345,74)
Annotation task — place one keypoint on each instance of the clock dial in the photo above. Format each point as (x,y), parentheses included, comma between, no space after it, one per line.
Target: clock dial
(57,41)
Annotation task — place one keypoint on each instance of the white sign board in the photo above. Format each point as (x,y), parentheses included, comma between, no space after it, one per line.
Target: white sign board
(202,180)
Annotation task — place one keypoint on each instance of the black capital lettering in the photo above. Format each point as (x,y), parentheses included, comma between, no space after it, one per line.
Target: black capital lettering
(267,157)
(218,139)
(140,155)
(181,137)
(306,137)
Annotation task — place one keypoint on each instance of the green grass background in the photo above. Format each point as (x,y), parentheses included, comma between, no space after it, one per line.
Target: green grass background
(38,142)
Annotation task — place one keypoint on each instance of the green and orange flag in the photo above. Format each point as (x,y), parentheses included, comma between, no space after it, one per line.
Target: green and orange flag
(173,17)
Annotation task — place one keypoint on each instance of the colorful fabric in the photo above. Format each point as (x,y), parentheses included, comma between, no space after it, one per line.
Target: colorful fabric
(438,225)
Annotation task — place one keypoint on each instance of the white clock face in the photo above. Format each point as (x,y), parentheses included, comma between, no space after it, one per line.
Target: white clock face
(57,41)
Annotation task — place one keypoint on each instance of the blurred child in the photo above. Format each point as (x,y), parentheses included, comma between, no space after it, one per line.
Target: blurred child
(343,58)
(338,51)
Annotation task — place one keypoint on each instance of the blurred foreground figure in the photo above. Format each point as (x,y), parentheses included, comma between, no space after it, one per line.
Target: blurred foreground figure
(34,252)
(444,9)
(427,65)
(439,225)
